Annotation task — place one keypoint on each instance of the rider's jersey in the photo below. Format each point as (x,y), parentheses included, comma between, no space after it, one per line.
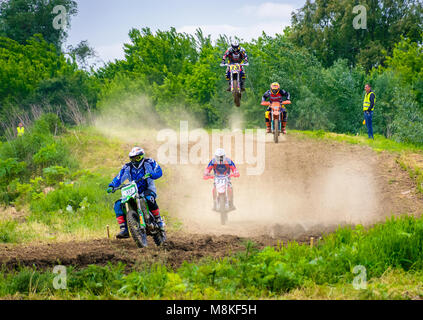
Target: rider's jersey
(223,168)
(235,57)
(130,172)
(276,97)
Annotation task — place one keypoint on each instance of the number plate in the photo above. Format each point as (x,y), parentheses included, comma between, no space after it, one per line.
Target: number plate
(129,191)
(235,67)
(220,181)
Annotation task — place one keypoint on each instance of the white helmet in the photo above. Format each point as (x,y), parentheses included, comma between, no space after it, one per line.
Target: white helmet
(136,156)
(220,155)
(235,45)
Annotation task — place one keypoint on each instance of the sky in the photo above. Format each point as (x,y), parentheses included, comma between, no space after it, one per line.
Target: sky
(106,23)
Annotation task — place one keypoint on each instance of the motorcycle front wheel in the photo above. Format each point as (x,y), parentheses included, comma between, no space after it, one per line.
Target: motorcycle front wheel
(222,210)
(138,233)
(276,130)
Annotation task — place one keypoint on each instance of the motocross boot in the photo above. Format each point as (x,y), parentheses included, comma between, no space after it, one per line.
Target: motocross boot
(231,206)
(284,127)
(160,222)
(123,234)
(268,127)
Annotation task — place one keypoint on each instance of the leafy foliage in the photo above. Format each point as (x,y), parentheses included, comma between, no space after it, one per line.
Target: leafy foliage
(21,19)
(326,28)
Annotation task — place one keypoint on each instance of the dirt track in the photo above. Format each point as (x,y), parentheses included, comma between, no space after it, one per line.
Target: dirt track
(308,188)
(180,247)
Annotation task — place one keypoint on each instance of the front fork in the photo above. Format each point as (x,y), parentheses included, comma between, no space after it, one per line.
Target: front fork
(140,212)
(273,123)
(232,81)
(227,198)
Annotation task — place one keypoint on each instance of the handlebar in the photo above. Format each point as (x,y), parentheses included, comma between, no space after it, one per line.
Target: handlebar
(125,185)
(267,103)
(229,64)
(208,177)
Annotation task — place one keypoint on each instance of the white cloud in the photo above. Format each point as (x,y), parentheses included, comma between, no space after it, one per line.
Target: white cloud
(245,33)
(111,52)
(269,10)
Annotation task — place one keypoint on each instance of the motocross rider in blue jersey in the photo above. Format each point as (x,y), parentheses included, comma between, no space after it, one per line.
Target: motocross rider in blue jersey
(146,170)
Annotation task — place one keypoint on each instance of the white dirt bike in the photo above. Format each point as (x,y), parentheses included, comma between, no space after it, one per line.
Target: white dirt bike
(221,203)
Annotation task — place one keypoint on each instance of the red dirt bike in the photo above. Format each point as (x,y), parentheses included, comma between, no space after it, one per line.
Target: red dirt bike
(221,204)
(235,79)
(276,113)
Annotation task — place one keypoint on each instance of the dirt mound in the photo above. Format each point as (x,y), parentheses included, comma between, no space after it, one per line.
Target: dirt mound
(180,247)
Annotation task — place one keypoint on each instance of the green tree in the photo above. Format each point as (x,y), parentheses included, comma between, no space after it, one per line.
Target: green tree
(326,28)
(21,19)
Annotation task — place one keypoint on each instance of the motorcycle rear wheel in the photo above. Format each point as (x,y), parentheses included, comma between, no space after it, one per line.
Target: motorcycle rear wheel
(236,94)
(159,238)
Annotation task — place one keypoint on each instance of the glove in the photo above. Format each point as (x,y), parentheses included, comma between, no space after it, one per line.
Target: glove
(147,175)
(110,190)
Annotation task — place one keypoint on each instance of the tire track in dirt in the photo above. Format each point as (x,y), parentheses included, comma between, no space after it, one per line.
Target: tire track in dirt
(308,188)
(180,247)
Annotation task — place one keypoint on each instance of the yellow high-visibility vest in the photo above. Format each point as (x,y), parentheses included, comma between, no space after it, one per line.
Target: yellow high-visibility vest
(366,102)
(21,131)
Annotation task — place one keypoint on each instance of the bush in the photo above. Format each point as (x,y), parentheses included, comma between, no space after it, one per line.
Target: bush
(53,154)
(8,233)
(27,156)
(55,174)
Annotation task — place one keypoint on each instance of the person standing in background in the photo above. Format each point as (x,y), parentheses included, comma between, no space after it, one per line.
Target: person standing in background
(368,107)
(20,129)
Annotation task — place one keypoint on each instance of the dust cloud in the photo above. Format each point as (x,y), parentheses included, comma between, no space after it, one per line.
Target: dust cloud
(134,119)
(304,189)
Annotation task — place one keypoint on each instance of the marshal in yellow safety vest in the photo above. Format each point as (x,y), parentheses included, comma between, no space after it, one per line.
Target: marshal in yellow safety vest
(21,131)
(367,102)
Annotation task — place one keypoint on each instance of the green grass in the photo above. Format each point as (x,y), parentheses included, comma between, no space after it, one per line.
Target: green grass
(380,143)
(390,252)
(8,232)
(63,204)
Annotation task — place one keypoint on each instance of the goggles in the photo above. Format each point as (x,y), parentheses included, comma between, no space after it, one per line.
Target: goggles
(137,158)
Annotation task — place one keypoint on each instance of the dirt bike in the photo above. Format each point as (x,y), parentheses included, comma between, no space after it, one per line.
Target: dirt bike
(221,204)
(235,78)
(141,221)
(276,117)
